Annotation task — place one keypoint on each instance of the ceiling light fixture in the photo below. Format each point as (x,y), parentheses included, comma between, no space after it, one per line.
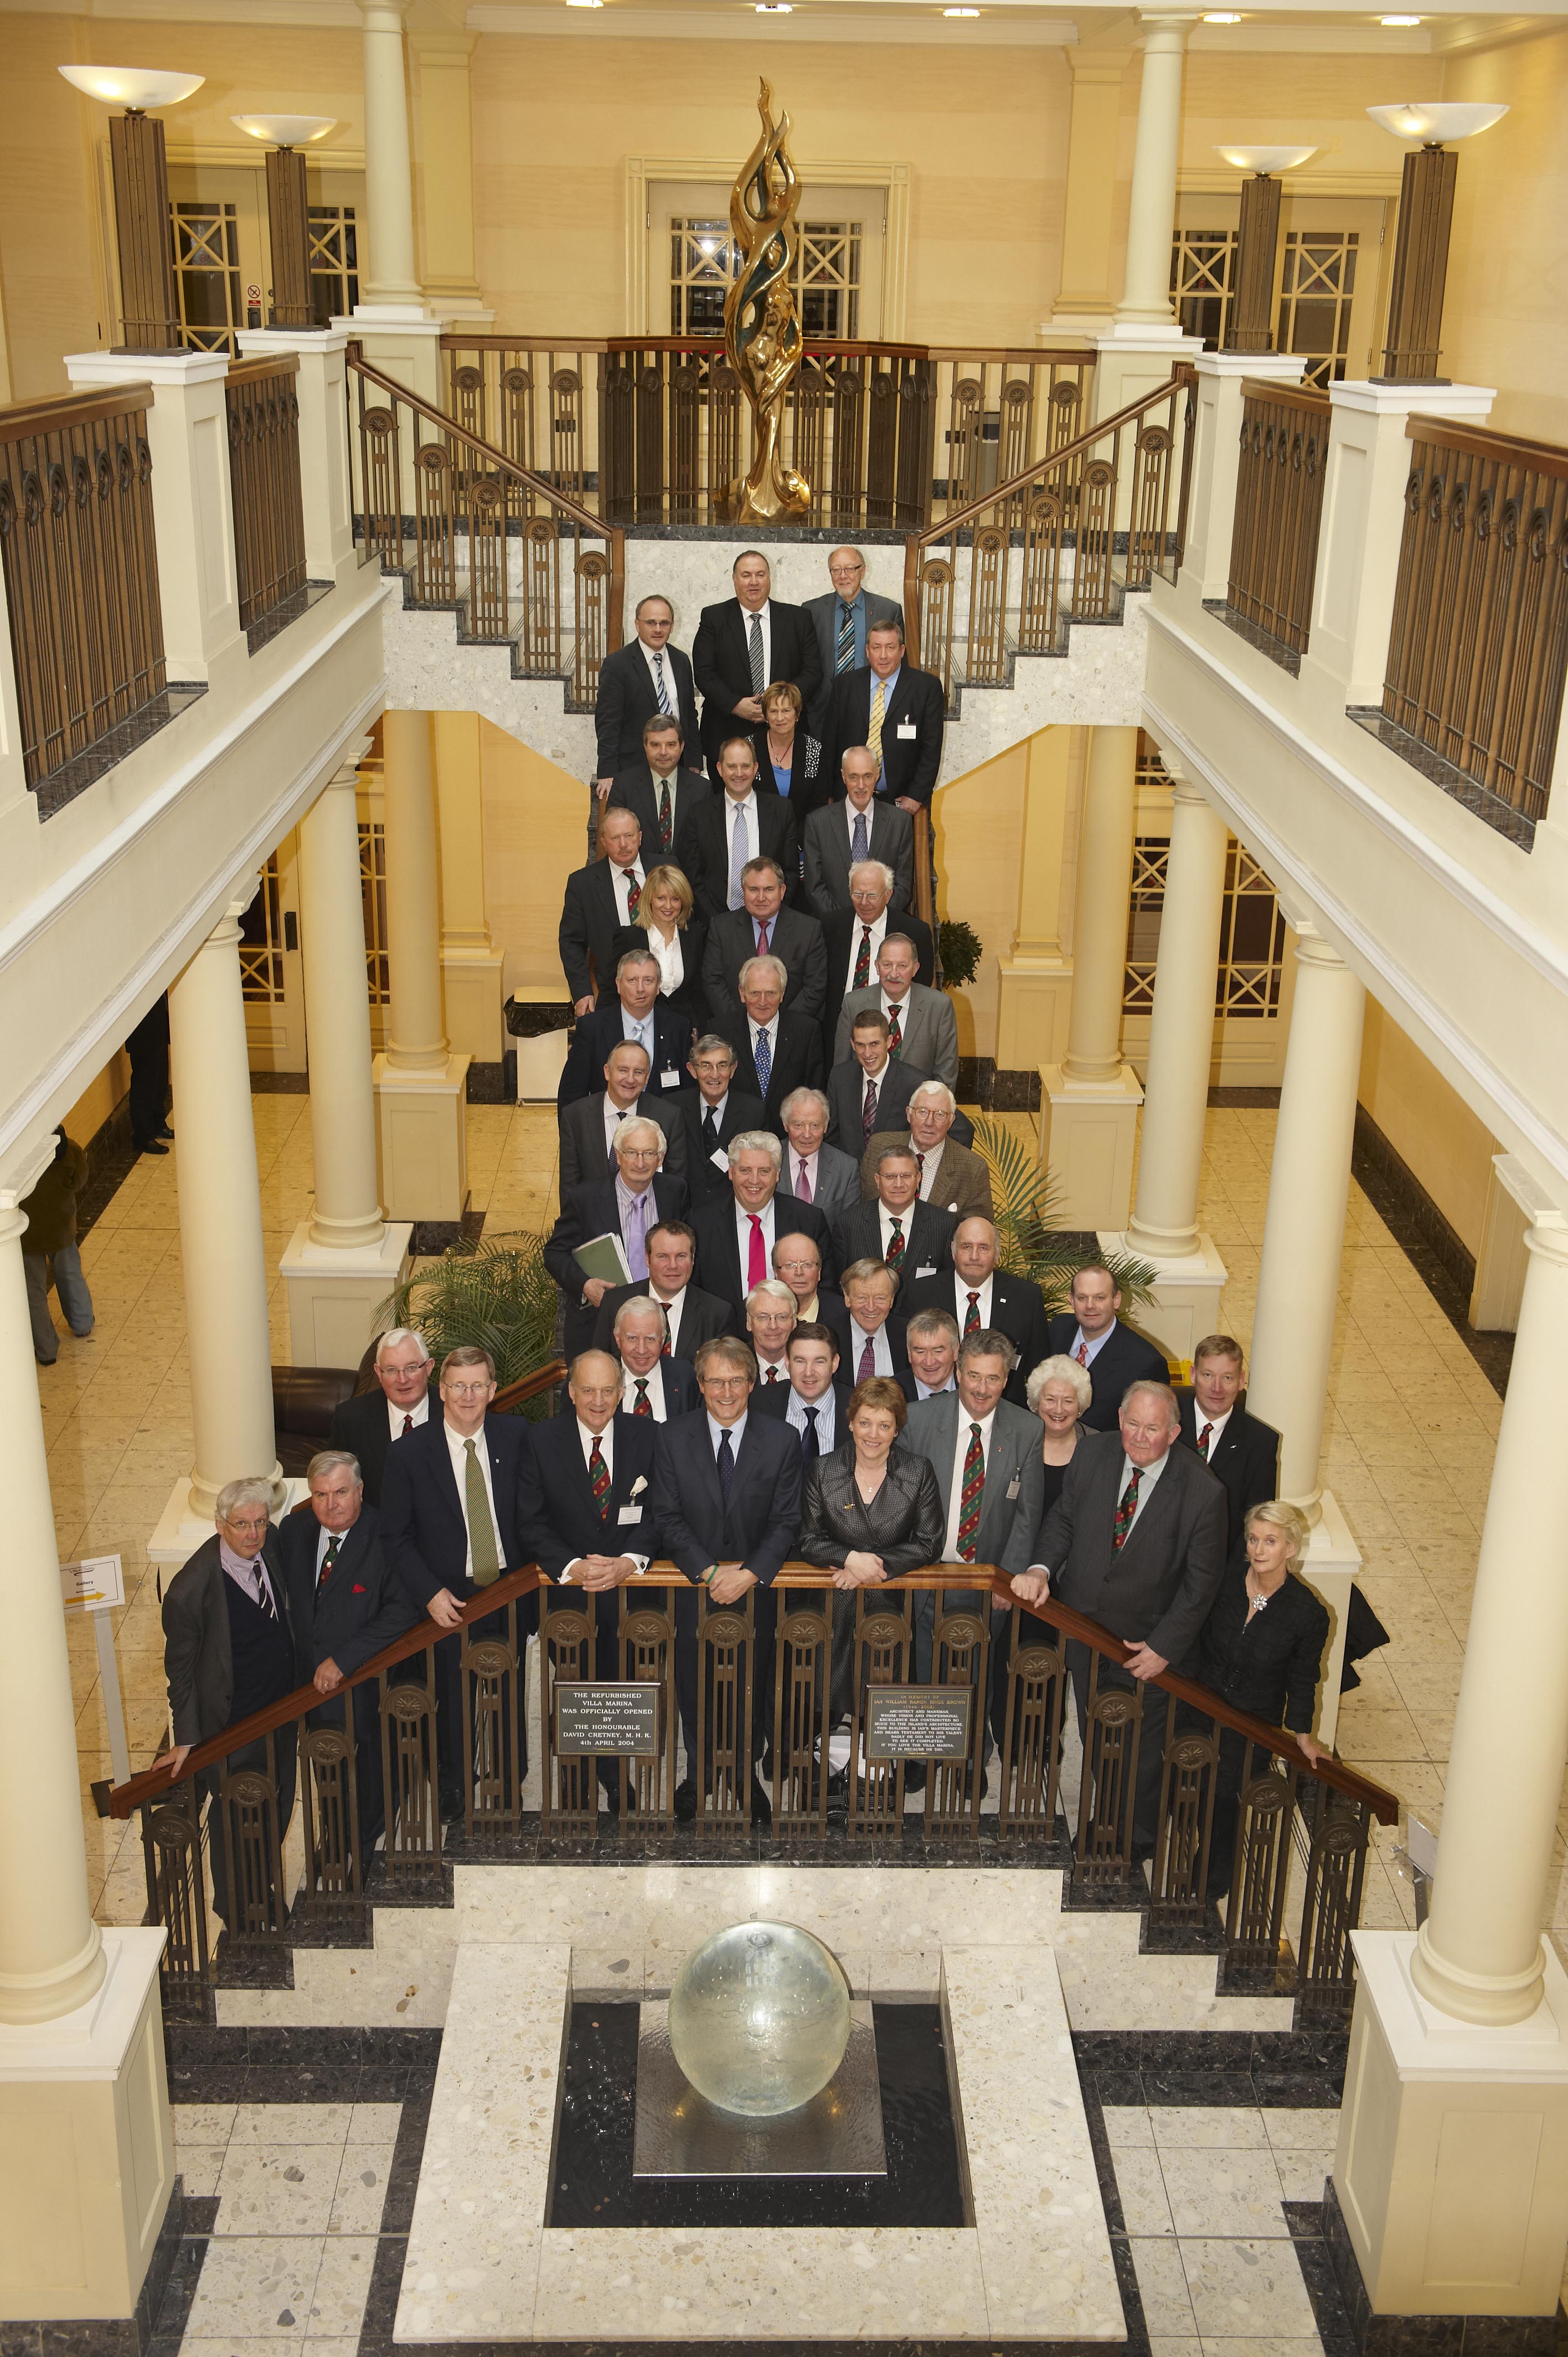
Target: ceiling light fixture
(961,11)
(775,8)
(585,4)
(1399,20)
(1222,17)
(148,312)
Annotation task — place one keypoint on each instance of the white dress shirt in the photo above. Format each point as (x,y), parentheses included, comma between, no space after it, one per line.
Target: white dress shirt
(799,1162)
(869,1081)
(672,1310)
(607,1451)
(882,1350)
(456,1443)
(878,932)
(654,657)
(420,1415)
(887,1218)
(955,1496)
(895,1006)
(746,810)
(772,1030)
(765,616)
(671,960)
(827,1416)
(1216,1424)
(774,1370)
(621,880)
(655,1384)
(960,1301)
(614,1118)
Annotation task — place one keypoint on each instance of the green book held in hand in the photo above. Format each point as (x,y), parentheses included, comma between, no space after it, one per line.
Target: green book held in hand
(604,1257)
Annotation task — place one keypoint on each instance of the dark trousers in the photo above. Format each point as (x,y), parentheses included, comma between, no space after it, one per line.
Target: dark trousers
(686,1668)
(249,1755)
(367,1781)
(455,1774)
(1151,1733)
(147,1047)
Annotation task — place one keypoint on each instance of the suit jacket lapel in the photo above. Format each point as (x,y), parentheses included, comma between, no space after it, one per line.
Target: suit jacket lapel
(441,1457)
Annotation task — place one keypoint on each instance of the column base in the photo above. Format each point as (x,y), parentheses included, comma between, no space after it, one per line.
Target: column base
(539,1064)
(180,1530)
(1032,1003)
(1451,2177)
(87,2151)
(421,1140)
(471,998)
(1330,1568)
(333,1295)
(1089,1135)
(1186,1306)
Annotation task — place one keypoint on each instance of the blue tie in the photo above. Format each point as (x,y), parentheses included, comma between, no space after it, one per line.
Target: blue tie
(737,859)
(858,847)
(726,1466)
(762,1057)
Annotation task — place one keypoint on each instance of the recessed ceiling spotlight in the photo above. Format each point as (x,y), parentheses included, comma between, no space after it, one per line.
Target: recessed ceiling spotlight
(1399,20)
(961,11)
(585,4)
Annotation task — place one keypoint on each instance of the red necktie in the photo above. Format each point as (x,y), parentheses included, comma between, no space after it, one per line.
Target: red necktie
(802,1182)
(761,937)
(407,1427)
(771,1376)
(1081,1354)
(868,1116)
(1202,1440)
(644,1404)
(863,963)
(756,1254)
(1125,1511)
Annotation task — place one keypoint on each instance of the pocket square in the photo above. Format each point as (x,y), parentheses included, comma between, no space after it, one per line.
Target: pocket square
(356,1589)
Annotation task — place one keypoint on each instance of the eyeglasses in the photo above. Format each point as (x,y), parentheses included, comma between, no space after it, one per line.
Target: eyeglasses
(466,1391)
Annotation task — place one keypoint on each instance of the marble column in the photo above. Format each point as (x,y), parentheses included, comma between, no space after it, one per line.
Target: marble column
(1151,216)
(1090,1100)
(420,1084)
(391,277)
(221,1238)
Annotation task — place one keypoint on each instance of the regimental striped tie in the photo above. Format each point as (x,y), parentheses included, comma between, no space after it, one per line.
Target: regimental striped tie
(969,1497)
(972,1315)
(843,652)
(868,1111)
(659,688)
(894,1031)
(862,962)
(1126,1507)
(666,825)
(893,1255)
(874,732)
(327,1560)
(644,1405)
(1203,1441)
(756,651)
(599,1478)
(633,894)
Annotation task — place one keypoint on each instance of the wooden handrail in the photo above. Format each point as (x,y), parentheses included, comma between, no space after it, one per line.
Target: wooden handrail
(251,372)
(956,518)
(453,340)
(1480,442)
(58,412)
(1286,396)
(924,898)
(527,1387)
(449,427)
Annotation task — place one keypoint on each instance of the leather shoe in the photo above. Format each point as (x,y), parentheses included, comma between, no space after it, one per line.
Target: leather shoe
(163,1130)
(152,1146)
(761,1806)
(451,1804)
(685,1800)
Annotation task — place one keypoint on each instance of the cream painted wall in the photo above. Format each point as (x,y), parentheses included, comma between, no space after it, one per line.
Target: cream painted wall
(1296,99)
(1430,1127)
(99,1099)
(535,825)
(980,851)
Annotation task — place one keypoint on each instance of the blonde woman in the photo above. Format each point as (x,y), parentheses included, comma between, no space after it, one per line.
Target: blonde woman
(670,928)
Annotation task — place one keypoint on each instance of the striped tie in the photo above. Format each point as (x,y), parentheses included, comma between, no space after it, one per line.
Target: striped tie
(874,734)
(1202,1440)
(969,1496)
(1081,1354)
(755,649)
(844,654)
(893,1255)
(633,894)
(895,1032)
(868,1116)
(644,1404)
(862,962)
(659,689)
(665,828)
(1127,1506)
(599,1478)
(972,1315)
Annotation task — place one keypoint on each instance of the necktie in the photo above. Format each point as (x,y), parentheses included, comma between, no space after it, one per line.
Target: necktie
(407,1427)
(264,1595)
(665,829)
(756,643)
(327,1560)
(863,961)
(710,1132)
(737,858)
(659,688)
(894,1031)
(762,1057)
(1127,1506)
(843,652)
(726,1466)
(972,1315)
(874,734)
(633,894)
(756,1254)
(920,1167)
(599,1478)
(859,847)
(762,937)
(802,1182)
(895,1253)
(867,1366)
(476,1514)
(969,1496)
(1081,1354)
(636,1243)
(810,1443)
(868,1111)
(644,1404)
(771,1376)
(1202,1440)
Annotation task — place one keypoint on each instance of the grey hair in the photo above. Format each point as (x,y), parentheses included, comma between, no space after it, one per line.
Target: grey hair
(932,1322)
(621,1133)
(640,1301)
(754,965)
(936,1089)
(711,1043)
(755,1141)
(804,1096)
(1059,1369)
(875,867)
(1152,1385)
(773,1288)
(251,1491)
(328,1460)
(896,1154)
(634,957)
(396,1334)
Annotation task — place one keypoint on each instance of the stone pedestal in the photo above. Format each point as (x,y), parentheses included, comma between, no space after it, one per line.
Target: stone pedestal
(421,1139)
(472,994)
(1330,1568)
(1217,437)
(539,1064)
(86,2146)
(1452,2167)
(1088,1137)
(1186,1306)
(333,1295)
(180,1530)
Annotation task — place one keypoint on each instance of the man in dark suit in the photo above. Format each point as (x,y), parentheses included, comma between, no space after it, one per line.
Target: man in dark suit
(637,683)
(624,1206)
(765,927)
(841,617)
(588,1124)
(737,1232)
(814,1403)
(659,790)
(346,1603)
(980,1294)
(1240,1448)
(449,1531)
(932,1339)
(743,646)
(727,1488)
(657,1385)
(914,1239)
(738,823)
(691,1316)
(633,1010)
(818,1173)
(229,1650)
(1135,1541)
(712,1114)
(600,898)
(896,710)
(875,1342)
(367,1424)
(843,835)
(1091,1332)
(775,1053)
(798,1259)
(853,937)
(869,1090)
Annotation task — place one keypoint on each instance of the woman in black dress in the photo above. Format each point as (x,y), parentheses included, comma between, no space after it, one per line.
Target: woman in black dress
(670,928)
(1058,1392)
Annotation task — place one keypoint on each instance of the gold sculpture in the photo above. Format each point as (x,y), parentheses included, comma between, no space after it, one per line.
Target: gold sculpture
(762,334)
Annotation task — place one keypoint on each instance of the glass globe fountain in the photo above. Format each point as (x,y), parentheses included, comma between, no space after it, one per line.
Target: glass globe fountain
(759,2018)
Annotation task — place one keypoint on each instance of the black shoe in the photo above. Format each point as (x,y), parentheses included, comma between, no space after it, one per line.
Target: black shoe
(837,1795)
(163,1130)
(685,1800)
(914,1776)
(451,1804)
(152,1146)
(761,1806)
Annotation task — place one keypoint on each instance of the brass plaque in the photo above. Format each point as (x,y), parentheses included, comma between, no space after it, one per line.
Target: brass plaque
(917,1722)
(619,1717)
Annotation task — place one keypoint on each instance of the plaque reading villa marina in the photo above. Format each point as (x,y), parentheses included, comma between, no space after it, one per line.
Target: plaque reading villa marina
(619,1717)
(917,1723)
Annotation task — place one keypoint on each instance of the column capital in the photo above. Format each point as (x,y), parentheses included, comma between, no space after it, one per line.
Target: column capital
(1313,948)
(1167,34)
(384,15)
(1547,1237)
(1099,68)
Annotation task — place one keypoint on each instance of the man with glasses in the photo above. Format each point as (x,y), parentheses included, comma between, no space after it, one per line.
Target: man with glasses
(625,1206)
(367,1424)
(715,1113)
(841,617)
(643,680)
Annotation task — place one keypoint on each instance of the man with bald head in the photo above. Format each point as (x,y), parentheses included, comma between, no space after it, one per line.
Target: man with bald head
(864,825)
(985,1298)
(841,617)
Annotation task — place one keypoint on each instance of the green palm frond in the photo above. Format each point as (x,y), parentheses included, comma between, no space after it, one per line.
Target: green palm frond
(495,1292)
(1026,1209)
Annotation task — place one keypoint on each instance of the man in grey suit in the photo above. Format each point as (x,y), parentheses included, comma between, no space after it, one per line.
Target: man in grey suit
(841,836)
(841,617)
(922,1026)
(1136,1541)
(985,1454)
(815,1172)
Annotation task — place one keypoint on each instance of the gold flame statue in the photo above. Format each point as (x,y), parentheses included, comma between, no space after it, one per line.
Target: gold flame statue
(762,334)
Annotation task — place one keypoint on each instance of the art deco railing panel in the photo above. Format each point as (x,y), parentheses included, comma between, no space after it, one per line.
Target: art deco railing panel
(263,476)
(1279,506)
(80,569)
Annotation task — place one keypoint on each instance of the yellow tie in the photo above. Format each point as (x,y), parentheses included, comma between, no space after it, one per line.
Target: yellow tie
(874,734)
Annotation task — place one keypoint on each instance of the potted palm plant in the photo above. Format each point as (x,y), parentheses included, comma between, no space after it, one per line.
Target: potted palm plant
(1029,1242)
(490,1290)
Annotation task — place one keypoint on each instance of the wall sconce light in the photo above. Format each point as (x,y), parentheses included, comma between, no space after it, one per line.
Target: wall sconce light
(288,208)
(1251,328)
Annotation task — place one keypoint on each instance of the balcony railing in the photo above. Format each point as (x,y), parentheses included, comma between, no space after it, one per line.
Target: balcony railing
(1279,506)
(82,576)
(263,476)
(653,429)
